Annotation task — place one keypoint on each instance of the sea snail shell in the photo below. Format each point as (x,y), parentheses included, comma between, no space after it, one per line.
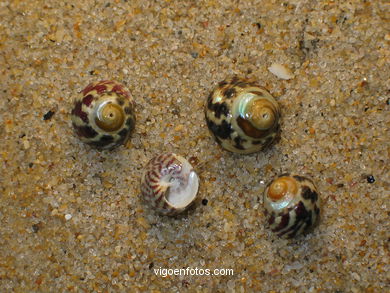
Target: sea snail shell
(291,205)
(103,115)
(242,116)
(169,184)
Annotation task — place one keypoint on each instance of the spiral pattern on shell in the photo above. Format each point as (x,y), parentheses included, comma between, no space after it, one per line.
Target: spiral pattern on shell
(292,205)
(242,116)
(103,115)
(169,184)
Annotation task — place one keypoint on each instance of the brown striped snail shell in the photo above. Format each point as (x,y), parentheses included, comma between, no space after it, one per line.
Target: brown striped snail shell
(242,116)
(291,204)
(169,184)
(103,115)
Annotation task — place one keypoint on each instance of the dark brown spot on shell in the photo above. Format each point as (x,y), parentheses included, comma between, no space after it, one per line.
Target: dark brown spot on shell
(223,130)
(103,141)
(284,175)
(87,100)
(120,101)
(292,232)
(100,88)
(271,219)
(85,131)
(238,142)
(307,193)
(209,97)
(257,142)
(242,84)
(131,123)
(299,178)
(210,102)
(222,83)
(235,79)
(258,93)
(77,111)
(123,132)
(118,89)
(268,141)
(300,210)
(107,138)
(230,92)
(302,217)
(219,109)
(283,222)
(124,135)
(88,88)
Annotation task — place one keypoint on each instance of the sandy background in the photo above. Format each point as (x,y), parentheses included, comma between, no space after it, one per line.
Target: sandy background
(71,217)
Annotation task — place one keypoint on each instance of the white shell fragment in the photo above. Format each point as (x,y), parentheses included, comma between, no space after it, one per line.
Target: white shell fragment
(281,71)
(169,184)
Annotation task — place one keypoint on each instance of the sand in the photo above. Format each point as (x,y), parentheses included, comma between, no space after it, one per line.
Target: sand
(72,217)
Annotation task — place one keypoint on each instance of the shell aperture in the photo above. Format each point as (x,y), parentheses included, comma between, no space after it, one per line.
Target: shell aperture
(169,184)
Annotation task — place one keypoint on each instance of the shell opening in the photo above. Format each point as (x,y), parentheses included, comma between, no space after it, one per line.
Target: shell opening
(281,187)
(182,191)
(181,184)
(109,116)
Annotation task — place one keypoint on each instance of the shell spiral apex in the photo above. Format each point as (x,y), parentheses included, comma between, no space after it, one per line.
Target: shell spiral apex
(292,205)
(169,184)
(242,116)
(103,115)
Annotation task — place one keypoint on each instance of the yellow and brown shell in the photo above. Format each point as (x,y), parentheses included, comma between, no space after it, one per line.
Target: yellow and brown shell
(291,205)
(103,116)
(242,116)
(169,184)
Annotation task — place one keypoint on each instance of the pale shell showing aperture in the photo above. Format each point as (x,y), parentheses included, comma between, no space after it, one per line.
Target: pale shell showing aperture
(242,116)
(291,205)
(103,114)
(169,184)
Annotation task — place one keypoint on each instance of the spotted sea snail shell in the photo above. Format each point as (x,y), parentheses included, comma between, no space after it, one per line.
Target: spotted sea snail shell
(242,116)
(169,184)
(103,114)
(291,205)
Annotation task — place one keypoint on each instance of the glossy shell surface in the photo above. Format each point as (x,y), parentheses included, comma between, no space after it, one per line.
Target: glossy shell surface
(169,184)
(291,205)
(242,116)
(103,114)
